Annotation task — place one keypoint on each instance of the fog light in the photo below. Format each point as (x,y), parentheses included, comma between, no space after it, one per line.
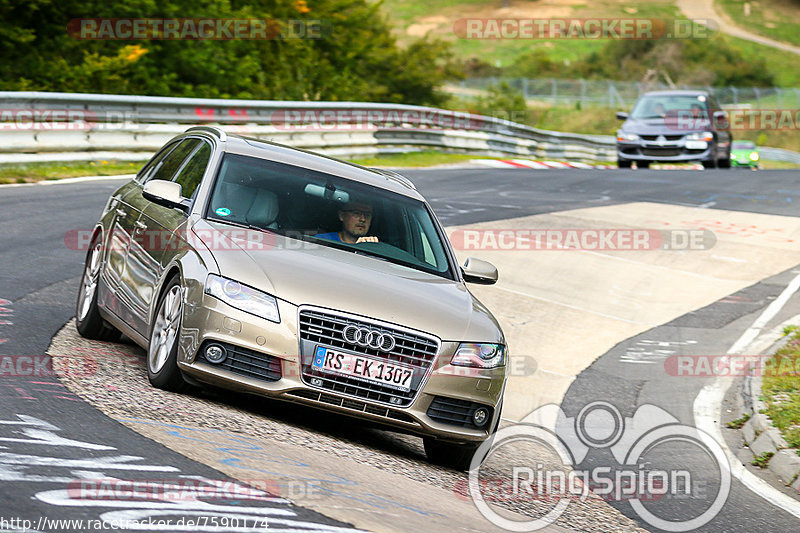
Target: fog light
(480,416)
(215,353)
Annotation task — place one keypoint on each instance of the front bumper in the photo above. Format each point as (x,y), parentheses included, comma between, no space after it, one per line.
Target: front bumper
(744,162)
(665,151)
(267,345)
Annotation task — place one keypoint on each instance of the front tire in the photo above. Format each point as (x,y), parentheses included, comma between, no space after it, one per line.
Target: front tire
(162,352)
(88,321)
(623,163)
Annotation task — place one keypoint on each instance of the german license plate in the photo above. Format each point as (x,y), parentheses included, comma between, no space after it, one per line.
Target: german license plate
(363,368)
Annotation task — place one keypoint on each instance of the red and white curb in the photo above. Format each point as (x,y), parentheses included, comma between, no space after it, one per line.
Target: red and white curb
(538,165)
(550,165)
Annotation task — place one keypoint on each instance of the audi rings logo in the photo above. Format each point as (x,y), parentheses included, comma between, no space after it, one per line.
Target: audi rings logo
(368,338)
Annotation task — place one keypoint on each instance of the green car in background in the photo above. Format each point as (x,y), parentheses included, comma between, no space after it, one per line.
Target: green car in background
(744,154)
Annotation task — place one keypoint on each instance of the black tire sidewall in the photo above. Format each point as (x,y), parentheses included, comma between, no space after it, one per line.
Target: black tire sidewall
(93,326)
(169,377)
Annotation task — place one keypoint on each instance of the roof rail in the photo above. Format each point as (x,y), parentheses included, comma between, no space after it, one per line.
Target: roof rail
(218,132)
(396,176)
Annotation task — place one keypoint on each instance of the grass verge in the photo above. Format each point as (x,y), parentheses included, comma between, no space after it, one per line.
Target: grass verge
(425,158)
(32,172)
(781,390)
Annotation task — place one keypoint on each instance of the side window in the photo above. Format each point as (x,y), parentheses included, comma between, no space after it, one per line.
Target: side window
(152,165)
(173,161)
(192,172)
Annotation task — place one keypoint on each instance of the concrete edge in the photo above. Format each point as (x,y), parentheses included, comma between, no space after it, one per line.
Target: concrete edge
(759,434)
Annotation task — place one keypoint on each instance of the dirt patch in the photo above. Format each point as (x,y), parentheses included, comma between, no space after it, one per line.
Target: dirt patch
(442,23)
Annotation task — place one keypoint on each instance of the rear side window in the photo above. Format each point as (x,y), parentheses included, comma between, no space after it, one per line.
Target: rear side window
(170,164)
(191,174)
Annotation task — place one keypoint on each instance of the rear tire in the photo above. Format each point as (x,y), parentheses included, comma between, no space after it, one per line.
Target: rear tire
(88,321)
(162,351)
(725,163)
(642,164)
(710,163)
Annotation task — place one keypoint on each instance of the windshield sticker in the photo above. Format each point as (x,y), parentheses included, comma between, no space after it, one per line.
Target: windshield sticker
(223,211)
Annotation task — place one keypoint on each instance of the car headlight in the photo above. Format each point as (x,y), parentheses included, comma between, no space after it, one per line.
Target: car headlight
(753,156)
(700,136)
(627,137)
(243,297)
(480,355)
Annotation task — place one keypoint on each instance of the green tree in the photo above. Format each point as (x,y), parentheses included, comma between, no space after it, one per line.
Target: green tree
(358,59)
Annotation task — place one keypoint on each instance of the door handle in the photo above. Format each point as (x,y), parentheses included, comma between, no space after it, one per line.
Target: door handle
(121,213)
(140,226)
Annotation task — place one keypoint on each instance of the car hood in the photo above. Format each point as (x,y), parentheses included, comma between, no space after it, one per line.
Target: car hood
(658,126)
(305,273)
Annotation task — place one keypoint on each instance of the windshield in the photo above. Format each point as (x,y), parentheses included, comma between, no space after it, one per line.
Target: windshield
(328,210)
(661,106)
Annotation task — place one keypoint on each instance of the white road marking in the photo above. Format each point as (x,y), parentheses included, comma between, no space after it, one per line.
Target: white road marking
(769,313)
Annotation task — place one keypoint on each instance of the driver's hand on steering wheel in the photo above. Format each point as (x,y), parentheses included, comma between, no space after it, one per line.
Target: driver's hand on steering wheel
(367,239)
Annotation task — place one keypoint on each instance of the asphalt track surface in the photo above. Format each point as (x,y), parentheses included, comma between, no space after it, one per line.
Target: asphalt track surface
(40,274)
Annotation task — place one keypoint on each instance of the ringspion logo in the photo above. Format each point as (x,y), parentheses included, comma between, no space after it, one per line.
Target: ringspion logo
(655,465)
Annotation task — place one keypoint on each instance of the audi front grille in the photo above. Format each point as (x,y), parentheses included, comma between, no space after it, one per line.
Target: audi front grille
(377,340)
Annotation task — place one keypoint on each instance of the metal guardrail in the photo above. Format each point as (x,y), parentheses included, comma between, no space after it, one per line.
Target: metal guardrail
(778,154)
(37,126)
(71,122)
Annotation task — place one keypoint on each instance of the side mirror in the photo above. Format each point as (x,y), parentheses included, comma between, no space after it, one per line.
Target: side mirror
(621,115)
(166,193)
(479,271)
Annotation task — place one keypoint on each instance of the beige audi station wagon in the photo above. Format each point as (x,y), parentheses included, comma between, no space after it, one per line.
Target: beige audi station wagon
(260,268)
